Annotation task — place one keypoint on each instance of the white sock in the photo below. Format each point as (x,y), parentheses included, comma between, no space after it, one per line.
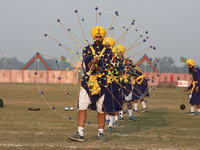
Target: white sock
(198,110)
(100,131)
(116,118)
(143,104)
(111,121)
(121,113)
(107,117)
(135,106)
(192,108)
(130,112)
(81,131)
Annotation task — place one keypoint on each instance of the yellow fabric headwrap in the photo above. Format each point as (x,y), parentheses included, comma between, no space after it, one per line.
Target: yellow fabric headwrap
(120,49)
(109,40)
(191,62)
(98,30)
(114,50)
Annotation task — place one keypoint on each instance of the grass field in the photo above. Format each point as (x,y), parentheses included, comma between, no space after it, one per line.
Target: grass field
(164,126)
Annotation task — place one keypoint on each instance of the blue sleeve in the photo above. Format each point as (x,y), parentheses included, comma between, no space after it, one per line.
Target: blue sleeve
(86,52)
(197,73)
(190,87)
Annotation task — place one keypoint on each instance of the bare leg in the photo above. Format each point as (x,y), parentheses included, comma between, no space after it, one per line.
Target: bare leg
(81,118)
(111,114)
(117,113)
(79,136)
(101,120)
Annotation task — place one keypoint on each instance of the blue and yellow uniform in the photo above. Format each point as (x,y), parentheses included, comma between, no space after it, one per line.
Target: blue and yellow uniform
(113,93)
(140,84)
(100,78)
(195,99)
(194,87)
(92,93)
(93,82)
(126,79)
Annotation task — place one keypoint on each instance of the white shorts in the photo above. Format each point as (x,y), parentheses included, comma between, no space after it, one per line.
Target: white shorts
(84,101)
(128,98)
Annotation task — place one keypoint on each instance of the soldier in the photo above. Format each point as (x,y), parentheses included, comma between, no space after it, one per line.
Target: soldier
(194,87)
(92,93)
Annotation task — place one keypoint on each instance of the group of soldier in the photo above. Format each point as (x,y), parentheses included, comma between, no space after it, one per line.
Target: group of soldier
(109,79)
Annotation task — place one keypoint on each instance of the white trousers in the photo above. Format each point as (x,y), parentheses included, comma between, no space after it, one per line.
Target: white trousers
(84,101)
(128,98)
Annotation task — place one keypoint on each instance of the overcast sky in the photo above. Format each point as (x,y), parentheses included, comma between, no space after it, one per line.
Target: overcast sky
(174,24)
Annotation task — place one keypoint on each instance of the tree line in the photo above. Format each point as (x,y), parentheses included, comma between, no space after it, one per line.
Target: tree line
(165,65)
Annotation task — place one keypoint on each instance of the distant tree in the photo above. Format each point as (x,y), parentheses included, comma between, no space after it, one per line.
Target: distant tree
(166,64)
(10,64)
(163,65)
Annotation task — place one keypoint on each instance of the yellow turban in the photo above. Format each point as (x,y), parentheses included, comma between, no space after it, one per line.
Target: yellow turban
(109,40)
(114,50)
(120,49)
(98,30)
(190,61)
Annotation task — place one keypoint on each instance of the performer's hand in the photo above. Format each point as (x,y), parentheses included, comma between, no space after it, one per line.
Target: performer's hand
(95,60)
(94,68)
(197,89)
(186,90)
(91,64)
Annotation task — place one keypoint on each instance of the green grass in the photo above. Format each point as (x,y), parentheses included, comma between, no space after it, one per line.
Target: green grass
(164,126)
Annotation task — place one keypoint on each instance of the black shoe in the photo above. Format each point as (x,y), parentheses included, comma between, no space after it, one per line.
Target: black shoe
(144,110)
(110,129)
(77,137)
(101,137)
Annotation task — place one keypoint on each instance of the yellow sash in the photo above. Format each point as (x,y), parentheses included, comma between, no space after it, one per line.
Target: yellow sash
(111,78)
(125,78)
(93,84)
(94,53)
(126,75)
(138,78)
(193,83)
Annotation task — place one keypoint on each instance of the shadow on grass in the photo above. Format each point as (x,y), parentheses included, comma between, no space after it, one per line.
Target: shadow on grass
(155,118)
